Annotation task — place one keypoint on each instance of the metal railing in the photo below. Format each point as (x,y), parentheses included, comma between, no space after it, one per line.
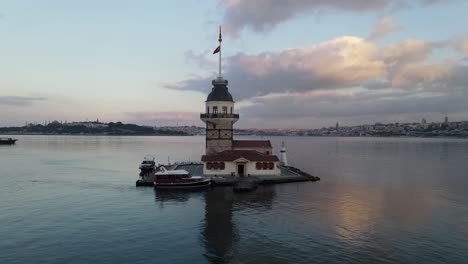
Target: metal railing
(219,115)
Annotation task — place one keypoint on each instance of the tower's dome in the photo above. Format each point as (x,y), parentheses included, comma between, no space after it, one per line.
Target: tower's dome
(219,92)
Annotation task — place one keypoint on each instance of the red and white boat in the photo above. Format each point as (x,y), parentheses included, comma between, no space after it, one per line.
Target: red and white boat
(179,179)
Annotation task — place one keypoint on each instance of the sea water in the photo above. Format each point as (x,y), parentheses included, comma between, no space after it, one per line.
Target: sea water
(72,199)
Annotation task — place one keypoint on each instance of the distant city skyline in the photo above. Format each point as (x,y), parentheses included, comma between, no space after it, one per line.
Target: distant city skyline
(301,64)
(181,123)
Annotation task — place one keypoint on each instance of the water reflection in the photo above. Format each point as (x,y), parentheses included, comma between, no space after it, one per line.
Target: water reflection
(261,199)
(220,233)
(218,230)
(163,196)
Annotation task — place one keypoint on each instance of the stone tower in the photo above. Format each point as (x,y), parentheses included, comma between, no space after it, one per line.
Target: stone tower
(219,118)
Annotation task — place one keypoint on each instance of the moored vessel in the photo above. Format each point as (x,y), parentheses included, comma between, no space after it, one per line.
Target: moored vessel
(7,141)
(179,179)
(147,166)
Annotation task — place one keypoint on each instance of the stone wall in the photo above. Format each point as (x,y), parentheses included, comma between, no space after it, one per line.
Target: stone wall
(217,145)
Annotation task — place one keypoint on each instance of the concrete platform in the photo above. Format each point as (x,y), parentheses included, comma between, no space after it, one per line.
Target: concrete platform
(288,174)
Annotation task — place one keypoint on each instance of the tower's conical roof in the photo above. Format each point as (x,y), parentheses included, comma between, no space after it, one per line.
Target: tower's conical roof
(219,92)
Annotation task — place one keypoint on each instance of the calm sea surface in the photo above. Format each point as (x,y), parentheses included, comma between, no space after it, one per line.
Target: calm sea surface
(71,199)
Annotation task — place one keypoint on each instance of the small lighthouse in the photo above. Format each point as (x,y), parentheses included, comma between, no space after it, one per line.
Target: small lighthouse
(283,155)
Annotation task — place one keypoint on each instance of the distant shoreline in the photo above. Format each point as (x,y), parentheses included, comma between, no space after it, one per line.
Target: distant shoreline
(112,135)
(251,135)
(446,129)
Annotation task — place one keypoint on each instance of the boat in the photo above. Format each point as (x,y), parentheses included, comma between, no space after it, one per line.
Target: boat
(179,179)
(7,141)
(147,166)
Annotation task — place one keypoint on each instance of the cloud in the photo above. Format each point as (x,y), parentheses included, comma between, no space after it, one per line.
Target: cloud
(339,63)
(407,51)
(461,44)
(316,109)
(382,28)
(425,75)
(19,100)
(263,15)
(163,118)
(448,95)
(342,78)
(200,59)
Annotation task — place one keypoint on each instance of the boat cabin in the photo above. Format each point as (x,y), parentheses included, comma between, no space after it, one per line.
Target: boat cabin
(174,176)
(179,179)
(148,161)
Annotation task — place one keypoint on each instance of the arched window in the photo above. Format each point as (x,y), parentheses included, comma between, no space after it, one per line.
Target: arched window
(222,165)
(215,165)
(207,110)
(258,165)
(268,152)
(271,165)
(215,109)
(208,166)
(265,165)
(224,109)
(231,110)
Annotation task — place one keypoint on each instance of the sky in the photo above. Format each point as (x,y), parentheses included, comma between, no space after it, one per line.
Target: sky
(290,64)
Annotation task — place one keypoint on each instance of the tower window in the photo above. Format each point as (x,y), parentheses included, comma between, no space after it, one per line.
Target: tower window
(231,110)
(224,109)
(207,110)
(215,109)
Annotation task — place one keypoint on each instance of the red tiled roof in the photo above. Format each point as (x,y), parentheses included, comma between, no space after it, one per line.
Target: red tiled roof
(232,155)
(251,144)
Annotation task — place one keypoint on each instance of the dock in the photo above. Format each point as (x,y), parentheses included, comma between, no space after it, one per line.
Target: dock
(288,174)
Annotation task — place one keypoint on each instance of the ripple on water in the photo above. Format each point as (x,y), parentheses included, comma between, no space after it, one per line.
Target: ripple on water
(379,201)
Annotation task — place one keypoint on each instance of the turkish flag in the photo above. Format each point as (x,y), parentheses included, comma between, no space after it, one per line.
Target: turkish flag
(218,49)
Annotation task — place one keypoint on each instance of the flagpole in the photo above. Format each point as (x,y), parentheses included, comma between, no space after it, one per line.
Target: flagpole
(220,39)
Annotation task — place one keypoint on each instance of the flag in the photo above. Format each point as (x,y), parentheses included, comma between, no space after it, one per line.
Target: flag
(218,49)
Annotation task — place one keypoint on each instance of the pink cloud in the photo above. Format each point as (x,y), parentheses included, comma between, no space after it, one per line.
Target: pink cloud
(341,63)
(263,15)
(382,28)
(154,115)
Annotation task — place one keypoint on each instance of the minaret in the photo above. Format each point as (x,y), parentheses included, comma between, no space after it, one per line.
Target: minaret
(219,116)
(283,156)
